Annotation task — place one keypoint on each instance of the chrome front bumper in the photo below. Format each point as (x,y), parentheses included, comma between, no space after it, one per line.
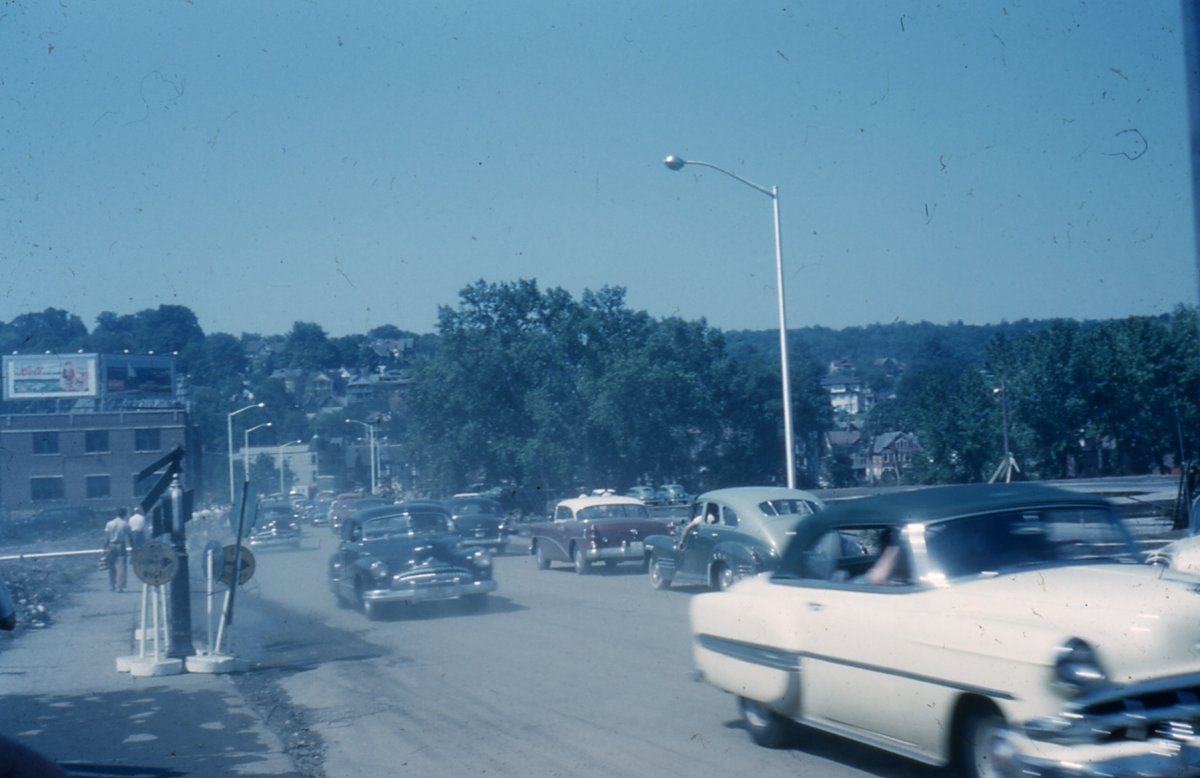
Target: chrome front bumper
(635,550)
(424,592)
(1018,756)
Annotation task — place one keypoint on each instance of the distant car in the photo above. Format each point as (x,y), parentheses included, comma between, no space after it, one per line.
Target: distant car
(673,494)
(406,553)
(644,493)
(348,503)
(609,529)
(479,521)
(1006,629)
(276,526)
(743,532)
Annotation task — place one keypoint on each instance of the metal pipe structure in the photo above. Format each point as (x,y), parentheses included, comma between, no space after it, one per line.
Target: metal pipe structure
(229,432)
(676,163)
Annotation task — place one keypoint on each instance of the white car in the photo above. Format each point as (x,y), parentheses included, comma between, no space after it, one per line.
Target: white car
(1182,555)
(1006,629)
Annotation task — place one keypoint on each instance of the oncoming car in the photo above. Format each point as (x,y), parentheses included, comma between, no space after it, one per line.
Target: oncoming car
(1008,629)
(406,553)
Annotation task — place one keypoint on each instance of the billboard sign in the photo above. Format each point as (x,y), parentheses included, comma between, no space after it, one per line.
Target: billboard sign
(138,375)
(36,377)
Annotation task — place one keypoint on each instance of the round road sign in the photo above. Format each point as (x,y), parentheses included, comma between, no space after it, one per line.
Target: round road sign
(155,563)
(246,563)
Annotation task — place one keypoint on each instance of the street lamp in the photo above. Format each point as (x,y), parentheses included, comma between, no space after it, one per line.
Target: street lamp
(677,163)
(371,449)
(229,426)
(282,487)
(246,445)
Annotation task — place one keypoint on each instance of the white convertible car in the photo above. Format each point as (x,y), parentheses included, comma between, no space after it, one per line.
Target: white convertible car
(1009,630)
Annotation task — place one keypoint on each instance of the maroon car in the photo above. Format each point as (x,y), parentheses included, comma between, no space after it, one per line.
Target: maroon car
(605,528)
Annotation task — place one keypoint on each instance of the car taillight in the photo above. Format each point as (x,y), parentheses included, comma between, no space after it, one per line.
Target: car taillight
(671,528)
(592,533)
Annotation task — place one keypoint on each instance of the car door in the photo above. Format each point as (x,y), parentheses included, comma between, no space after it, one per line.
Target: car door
(697,548)
(856,640)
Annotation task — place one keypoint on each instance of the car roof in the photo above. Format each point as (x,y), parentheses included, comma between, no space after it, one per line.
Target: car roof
(753,495)
(411,506)
(936,503)
(575,503)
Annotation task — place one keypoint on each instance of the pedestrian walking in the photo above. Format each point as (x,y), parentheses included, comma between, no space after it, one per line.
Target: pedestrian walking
(116,550)
(138,531)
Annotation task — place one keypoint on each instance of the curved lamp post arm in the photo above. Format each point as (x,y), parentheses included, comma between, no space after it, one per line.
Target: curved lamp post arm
(676,163)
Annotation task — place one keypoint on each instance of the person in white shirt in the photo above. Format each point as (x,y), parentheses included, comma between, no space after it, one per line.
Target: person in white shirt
(116,550)
(137,529)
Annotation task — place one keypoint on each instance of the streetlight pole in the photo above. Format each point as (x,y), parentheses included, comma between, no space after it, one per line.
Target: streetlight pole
(229,428)
(677,163)
(281,448)
(246,445)
(371,449)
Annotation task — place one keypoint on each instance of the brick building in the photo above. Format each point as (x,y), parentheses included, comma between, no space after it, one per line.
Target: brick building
(75,430)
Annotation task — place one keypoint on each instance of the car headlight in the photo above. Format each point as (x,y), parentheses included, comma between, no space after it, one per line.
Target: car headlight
(379,570)
(481,558)
(1077,667)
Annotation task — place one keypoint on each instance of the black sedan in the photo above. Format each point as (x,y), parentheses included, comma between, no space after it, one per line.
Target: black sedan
(479,521)
(734,533)
(406,553)
(276,526)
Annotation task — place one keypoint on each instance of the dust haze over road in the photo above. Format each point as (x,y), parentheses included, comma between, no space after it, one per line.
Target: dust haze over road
(560,674)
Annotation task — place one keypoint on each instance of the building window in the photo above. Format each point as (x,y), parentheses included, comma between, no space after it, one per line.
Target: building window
(99,487)
(46,488)
(147,440)
(45,442)
(96,442)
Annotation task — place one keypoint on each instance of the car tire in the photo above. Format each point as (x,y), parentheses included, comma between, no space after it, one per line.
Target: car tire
(543,561)
(582,565)
(766,727)
(722,577)
(979,725)
(610,565)
(657,579)
(500,549)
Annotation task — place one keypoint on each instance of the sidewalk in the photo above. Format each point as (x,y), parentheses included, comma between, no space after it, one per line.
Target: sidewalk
(64,698)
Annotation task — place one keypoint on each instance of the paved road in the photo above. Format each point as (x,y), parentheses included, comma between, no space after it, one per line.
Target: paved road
(562,675)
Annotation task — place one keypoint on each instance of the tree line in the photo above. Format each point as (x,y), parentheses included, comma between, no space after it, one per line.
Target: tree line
(534,387)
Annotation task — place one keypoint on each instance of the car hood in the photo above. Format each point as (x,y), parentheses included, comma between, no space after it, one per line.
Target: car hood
(412,551)
(1140,619)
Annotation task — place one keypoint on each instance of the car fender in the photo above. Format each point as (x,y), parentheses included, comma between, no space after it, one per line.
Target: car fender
(736,555)
(662,546)
(746,644)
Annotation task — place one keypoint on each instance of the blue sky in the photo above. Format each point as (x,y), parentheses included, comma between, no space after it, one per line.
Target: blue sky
(356,164)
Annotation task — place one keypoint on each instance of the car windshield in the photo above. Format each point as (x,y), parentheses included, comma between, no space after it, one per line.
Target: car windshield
(476,508)
(998,543)
(404,525)
(613,511)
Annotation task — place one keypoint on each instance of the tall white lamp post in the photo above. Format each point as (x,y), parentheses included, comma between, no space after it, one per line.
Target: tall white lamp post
(282,486)
(229,427)
(677,163)
(246,445)
(371,449)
